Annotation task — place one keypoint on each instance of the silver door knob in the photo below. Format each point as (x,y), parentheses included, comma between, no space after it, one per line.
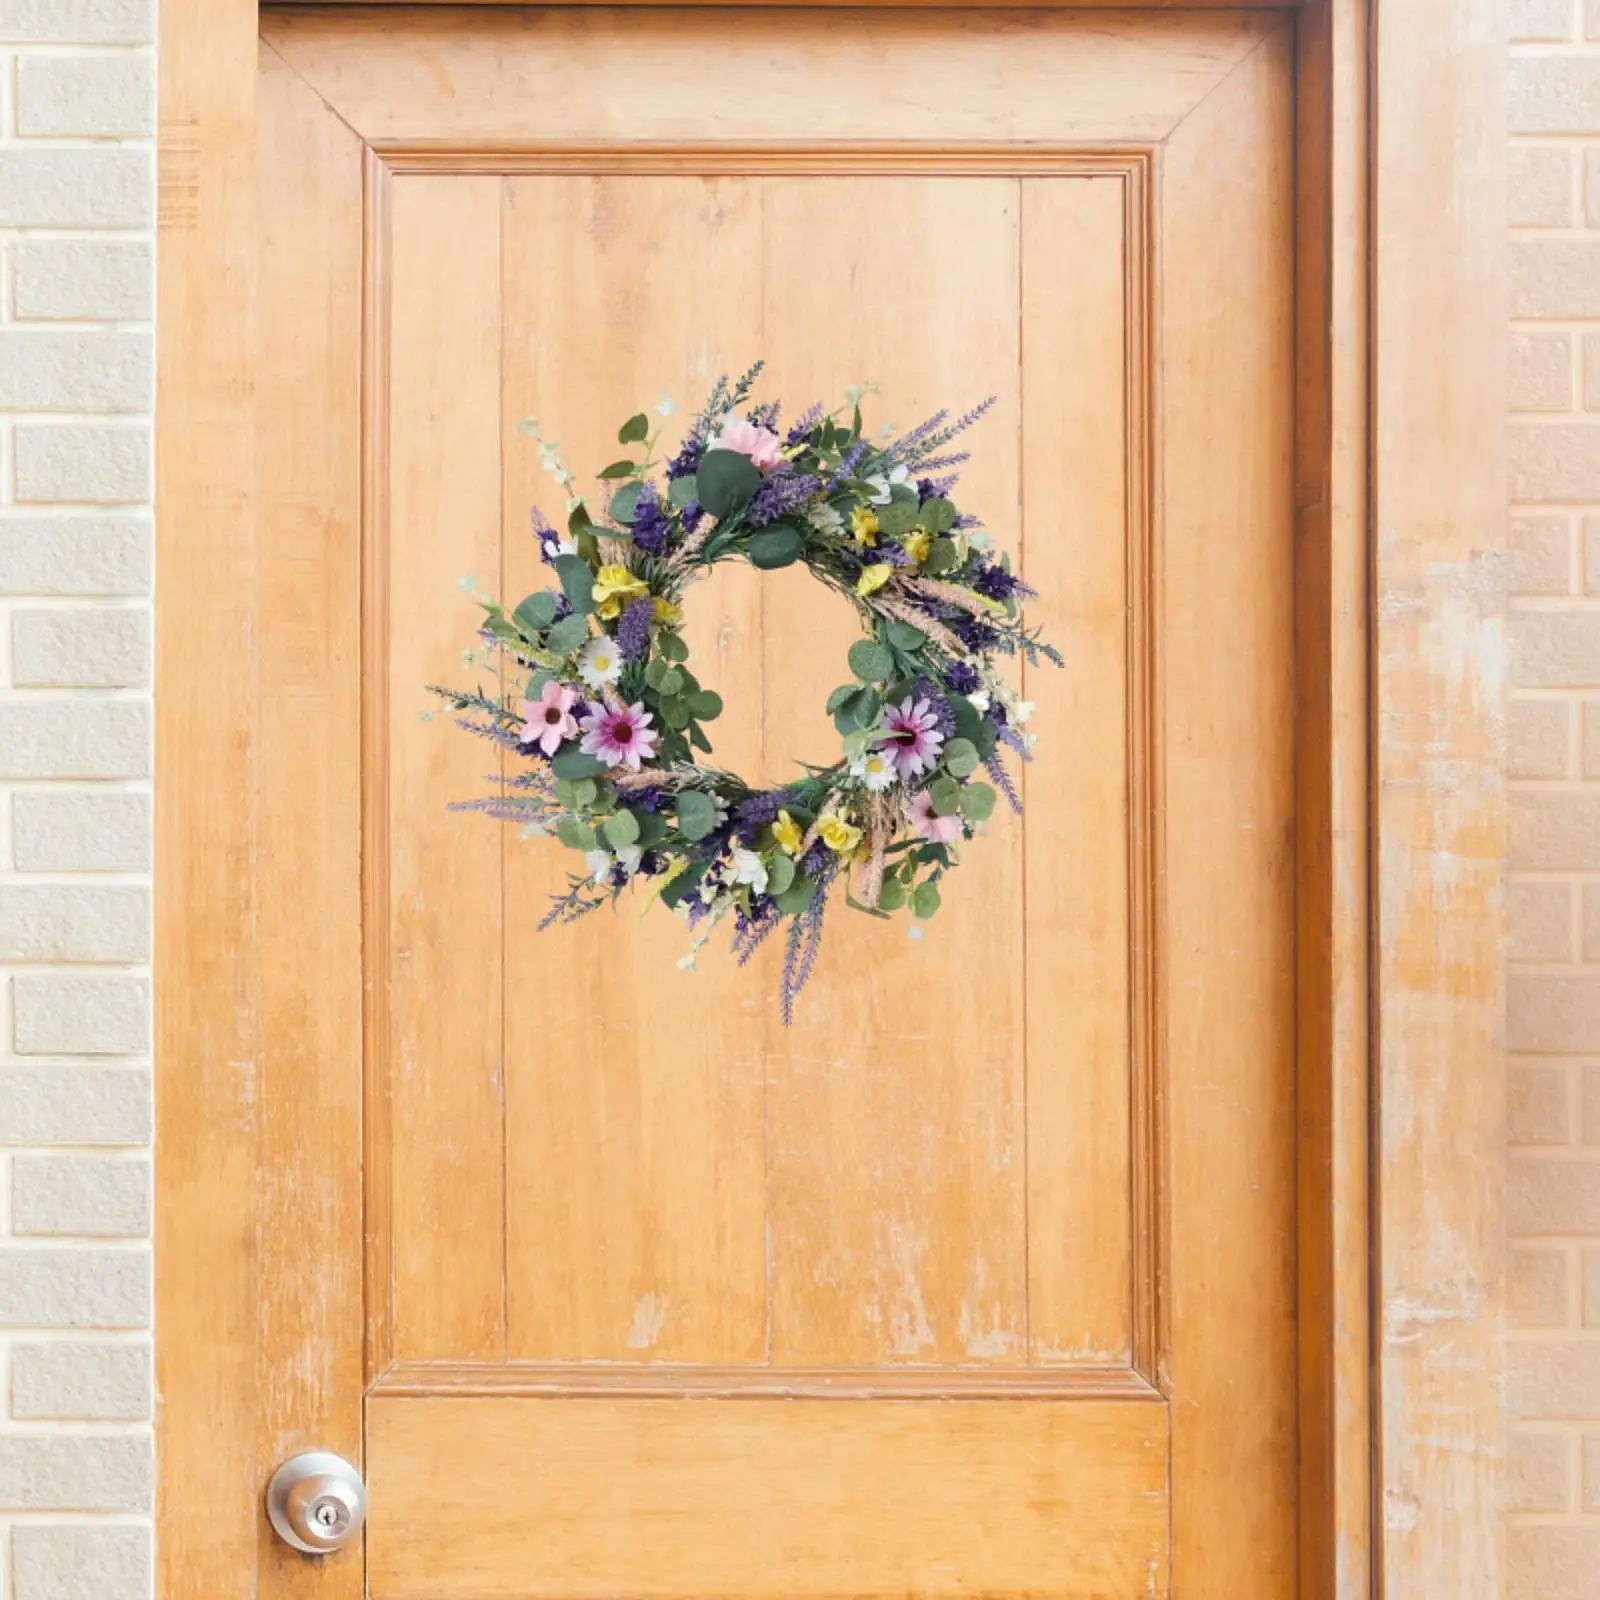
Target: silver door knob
(316,1502)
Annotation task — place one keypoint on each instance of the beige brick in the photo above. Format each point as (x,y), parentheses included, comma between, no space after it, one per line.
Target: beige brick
(75,188)
(78,21)
(95,1197)
(1536,1289)
(1591,1472)
(1553,1195)
(1538,1104)
(1555,277)
(63,1380)
(73,922)
(1554,94)
(1539,552)
(1591,186)
(1551,1563)
(75,1472)
(1538,1471)
(1590,918)
(1590,1130)
(1538,733)
(1540,187)
(75,555)
(79,1013)
(1543,19)
(74,739)
(1556,830)
(1591,555)
(105,369)
(1591,738)
(89,1561)
(86,95)
(85,462)
(102,648)
(1554,461)
(1591,372)
(80,830)
(1539,918)
(113,280)
(1551,1379)
(1541,371)
(74,1287)
(1551,1015)
(1554,649)
(75,1105)
(1591,1288)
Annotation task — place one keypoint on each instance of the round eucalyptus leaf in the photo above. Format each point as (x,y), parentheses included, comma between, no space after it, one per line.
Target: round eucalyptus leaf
(697,815)
(870,662)
(925,900)
(577,582)
(621,830)
(625,503)
(725,482)
(777,546)
(977,802)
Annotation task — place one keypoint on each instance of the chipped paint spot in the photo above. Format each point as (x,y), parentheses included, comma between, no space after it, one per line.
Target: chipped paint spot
(649,1318)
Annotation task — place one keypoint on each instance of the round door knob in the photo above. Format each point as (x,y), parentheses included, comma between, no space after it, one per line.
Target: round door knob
(316,1502)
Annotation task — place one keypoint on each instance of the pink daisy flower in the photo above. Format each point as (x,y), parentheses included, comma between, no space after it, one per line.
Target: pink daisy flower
(929,824)
(762,445)
(911,738)
(620,735)
(549,719)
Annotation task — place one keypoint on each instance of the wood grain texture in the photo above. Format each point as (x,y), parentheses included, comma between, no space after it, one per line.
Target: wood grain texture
(1079,868)
(1440,486)
(445,1067)
(1332,814)
(765,1499)
(1226,874)
(207,995)
(637,1218)
(545,75)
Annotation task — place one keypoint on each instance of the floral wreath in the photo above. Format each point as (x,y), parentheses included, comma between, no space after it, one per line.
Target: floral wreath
(598,697)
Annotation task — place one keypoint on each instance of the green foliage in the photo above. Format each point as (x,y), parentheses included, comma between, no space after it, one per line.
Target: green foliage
(725,482)
(575,835)
(569,634)
(577,583)
(575,763)
(670,647)
(902,636)
(625,503)
(621,830)
(798,895)
(977,802)
(706,704)
(961,758)
(680,492)
(892,896)
(943,556)
(634,430)
(536,613)
(618,469)
(780,875)
(697,815)
(925,900)
(780,545)
(938,516)
(945,794)
(870,662)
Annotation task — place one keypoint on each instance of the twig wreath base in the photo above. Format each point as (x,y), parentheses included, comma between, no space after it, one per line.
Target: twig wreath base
(598,701)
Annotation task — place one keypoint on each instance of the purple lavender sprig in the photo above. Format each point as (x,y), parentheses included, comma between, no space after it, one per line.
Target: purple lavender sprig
(633,629)
(996,769)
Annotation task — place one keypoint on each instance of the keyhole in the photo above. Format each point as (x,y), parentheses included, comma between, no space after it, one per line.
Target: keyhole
(326,1516)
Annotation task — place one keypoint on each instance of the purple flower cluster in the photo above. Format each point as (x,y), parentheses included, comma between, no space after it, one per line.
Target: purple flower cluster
(799,433)
(633,629)
(651,799)
(780,494)
(690,516)
(995,582)
(758,812)
(687,461)
(960,678)
(976,635)
(652,526)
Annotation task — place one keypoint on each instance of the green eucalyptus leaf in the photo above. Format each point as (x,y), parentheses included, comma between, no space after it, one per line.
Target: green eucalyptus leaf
(942,556)
(706,704)
(780,545)
(845,691)
(625,502)
(987,738)
(682,886)
(652,828)
(670,682)
(634,430)
(575,835)
(578,522)
(938,516)
(961,758)
(577,582)
(798,895)
(925,900)
(780,874)
(892,895)
(621,830)
(968,718)
(655,672)
(585,792)
(536,612)
(697,737)
(680,491)
(904,637)
(725,482)
(945,793)
(674,748)
(676,715)
(670,647)
(977,802)
(898,518)
(577,764)
(866,708)
(537,682)
(589,546)
(870,662)
(619,469)
(566,793)
(569,634)
(697,814)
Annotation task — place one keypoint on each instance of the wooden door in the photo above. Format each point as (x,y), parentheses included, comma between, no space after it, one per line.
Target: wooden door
(978,1280)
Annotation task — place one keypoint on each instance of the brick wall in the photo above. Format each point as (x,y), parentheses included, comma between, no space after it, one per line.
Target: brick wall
(76,372)
(1554,1023)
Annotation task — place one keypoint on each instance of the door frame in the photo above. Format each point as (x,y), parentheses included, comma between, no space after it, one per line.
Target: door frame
(1400,795)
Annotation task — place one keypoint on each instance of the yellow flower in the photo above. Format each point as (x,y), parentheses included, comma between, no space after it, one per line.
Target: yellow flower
(918,545)
(864,525)
(668,614)
(788,833)
(839,836)
(613,588)
(873,578)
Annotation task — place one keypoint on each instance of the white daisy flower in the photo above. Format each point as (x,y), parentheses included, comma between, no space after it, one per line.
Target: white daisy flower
(979,699)
(600,663)
(874,769)
(749,868)
(883,484)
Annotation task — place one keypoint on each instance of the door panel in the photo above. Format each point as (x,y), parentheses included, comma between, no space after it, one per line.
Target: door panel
(979,1278)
